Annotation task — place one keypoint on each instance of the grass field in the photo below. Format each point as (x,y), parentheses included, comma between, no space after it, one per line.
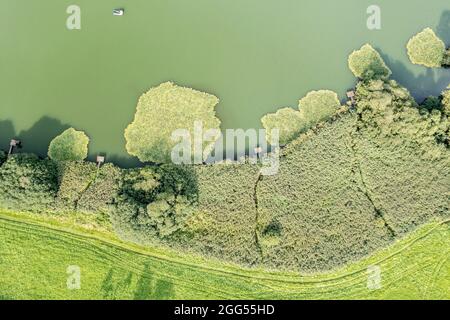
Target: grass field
(35,254)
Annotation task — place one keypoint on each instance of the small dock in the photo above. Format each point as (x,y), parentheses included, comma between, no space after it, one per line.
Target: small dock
(351,96)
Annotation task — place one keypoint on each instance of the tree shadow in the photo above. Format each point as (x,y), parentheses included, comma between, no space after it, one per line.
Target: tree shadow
(121,161)
(112,289)
(430,83)
(163,290)
(144,284)
(37,139)
(150,289)
(443,28)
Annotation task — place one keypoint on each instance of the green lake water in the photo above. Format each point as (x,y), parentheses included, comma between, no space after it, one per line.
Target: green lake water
(255,55)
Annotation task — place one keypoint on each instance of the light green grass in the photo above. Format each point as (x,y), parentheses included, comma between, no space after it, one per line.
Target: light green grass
(34,256)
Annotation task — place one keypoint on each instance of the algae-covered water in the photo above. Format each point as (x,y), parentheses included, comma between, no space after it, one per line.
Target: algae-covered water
(255,55)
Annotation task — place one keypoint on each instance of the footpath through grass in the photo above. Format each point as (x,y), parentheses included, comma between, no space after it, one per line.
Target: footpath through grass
(35,255)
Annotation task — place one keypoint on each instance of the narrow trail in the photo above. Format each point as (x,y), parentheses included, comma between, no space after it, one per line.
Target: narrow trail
(363,187)
(83,191)
(255,199)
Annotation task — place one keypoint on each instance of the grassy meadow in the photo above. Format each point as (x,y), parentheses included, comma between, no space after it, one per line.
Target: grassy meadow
(34,256)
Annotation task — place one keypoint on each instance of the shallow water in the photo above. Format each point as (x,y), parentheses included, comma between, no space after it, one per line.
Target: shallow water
(255,55)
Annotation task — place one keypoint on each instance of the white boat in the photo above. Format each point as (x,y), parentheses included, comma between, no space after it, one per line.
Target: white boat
(118,12)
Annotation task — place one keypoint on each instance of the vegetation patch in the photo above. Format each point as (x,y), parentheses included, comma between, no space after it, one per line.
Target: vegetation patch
(426,49)
(357,183)
(71,145)
(366,63)
(163,110)
(27,183)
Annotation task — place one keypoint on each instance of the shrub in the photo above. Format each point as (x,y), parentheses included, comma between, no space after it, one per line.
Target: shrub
(318,106)
(71,145)
(288,121)
(426,49)
(366,63)
(27,183)
(160,112)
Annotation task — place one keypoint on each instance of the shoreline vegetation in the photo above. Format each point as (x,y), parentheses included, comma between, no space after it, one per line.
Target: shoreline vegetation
(352,180)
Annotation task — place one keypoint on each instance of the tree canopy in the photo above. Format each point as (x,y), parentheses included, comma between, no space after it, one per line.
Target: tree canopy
(71,145)
(366,63)
(160,112)
(425,48)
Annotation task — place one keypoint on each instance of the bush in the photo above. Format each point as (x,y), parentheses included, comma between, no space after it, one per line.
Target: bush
(71,145)
(27,183)
(288,121)
(366,63)
(426,49)
(160,112)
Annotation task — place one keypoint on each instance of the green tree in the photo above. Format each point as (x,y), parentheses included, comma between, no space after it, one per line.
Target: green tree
(366,63)
(160,112)
(426,49)
(71,145)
